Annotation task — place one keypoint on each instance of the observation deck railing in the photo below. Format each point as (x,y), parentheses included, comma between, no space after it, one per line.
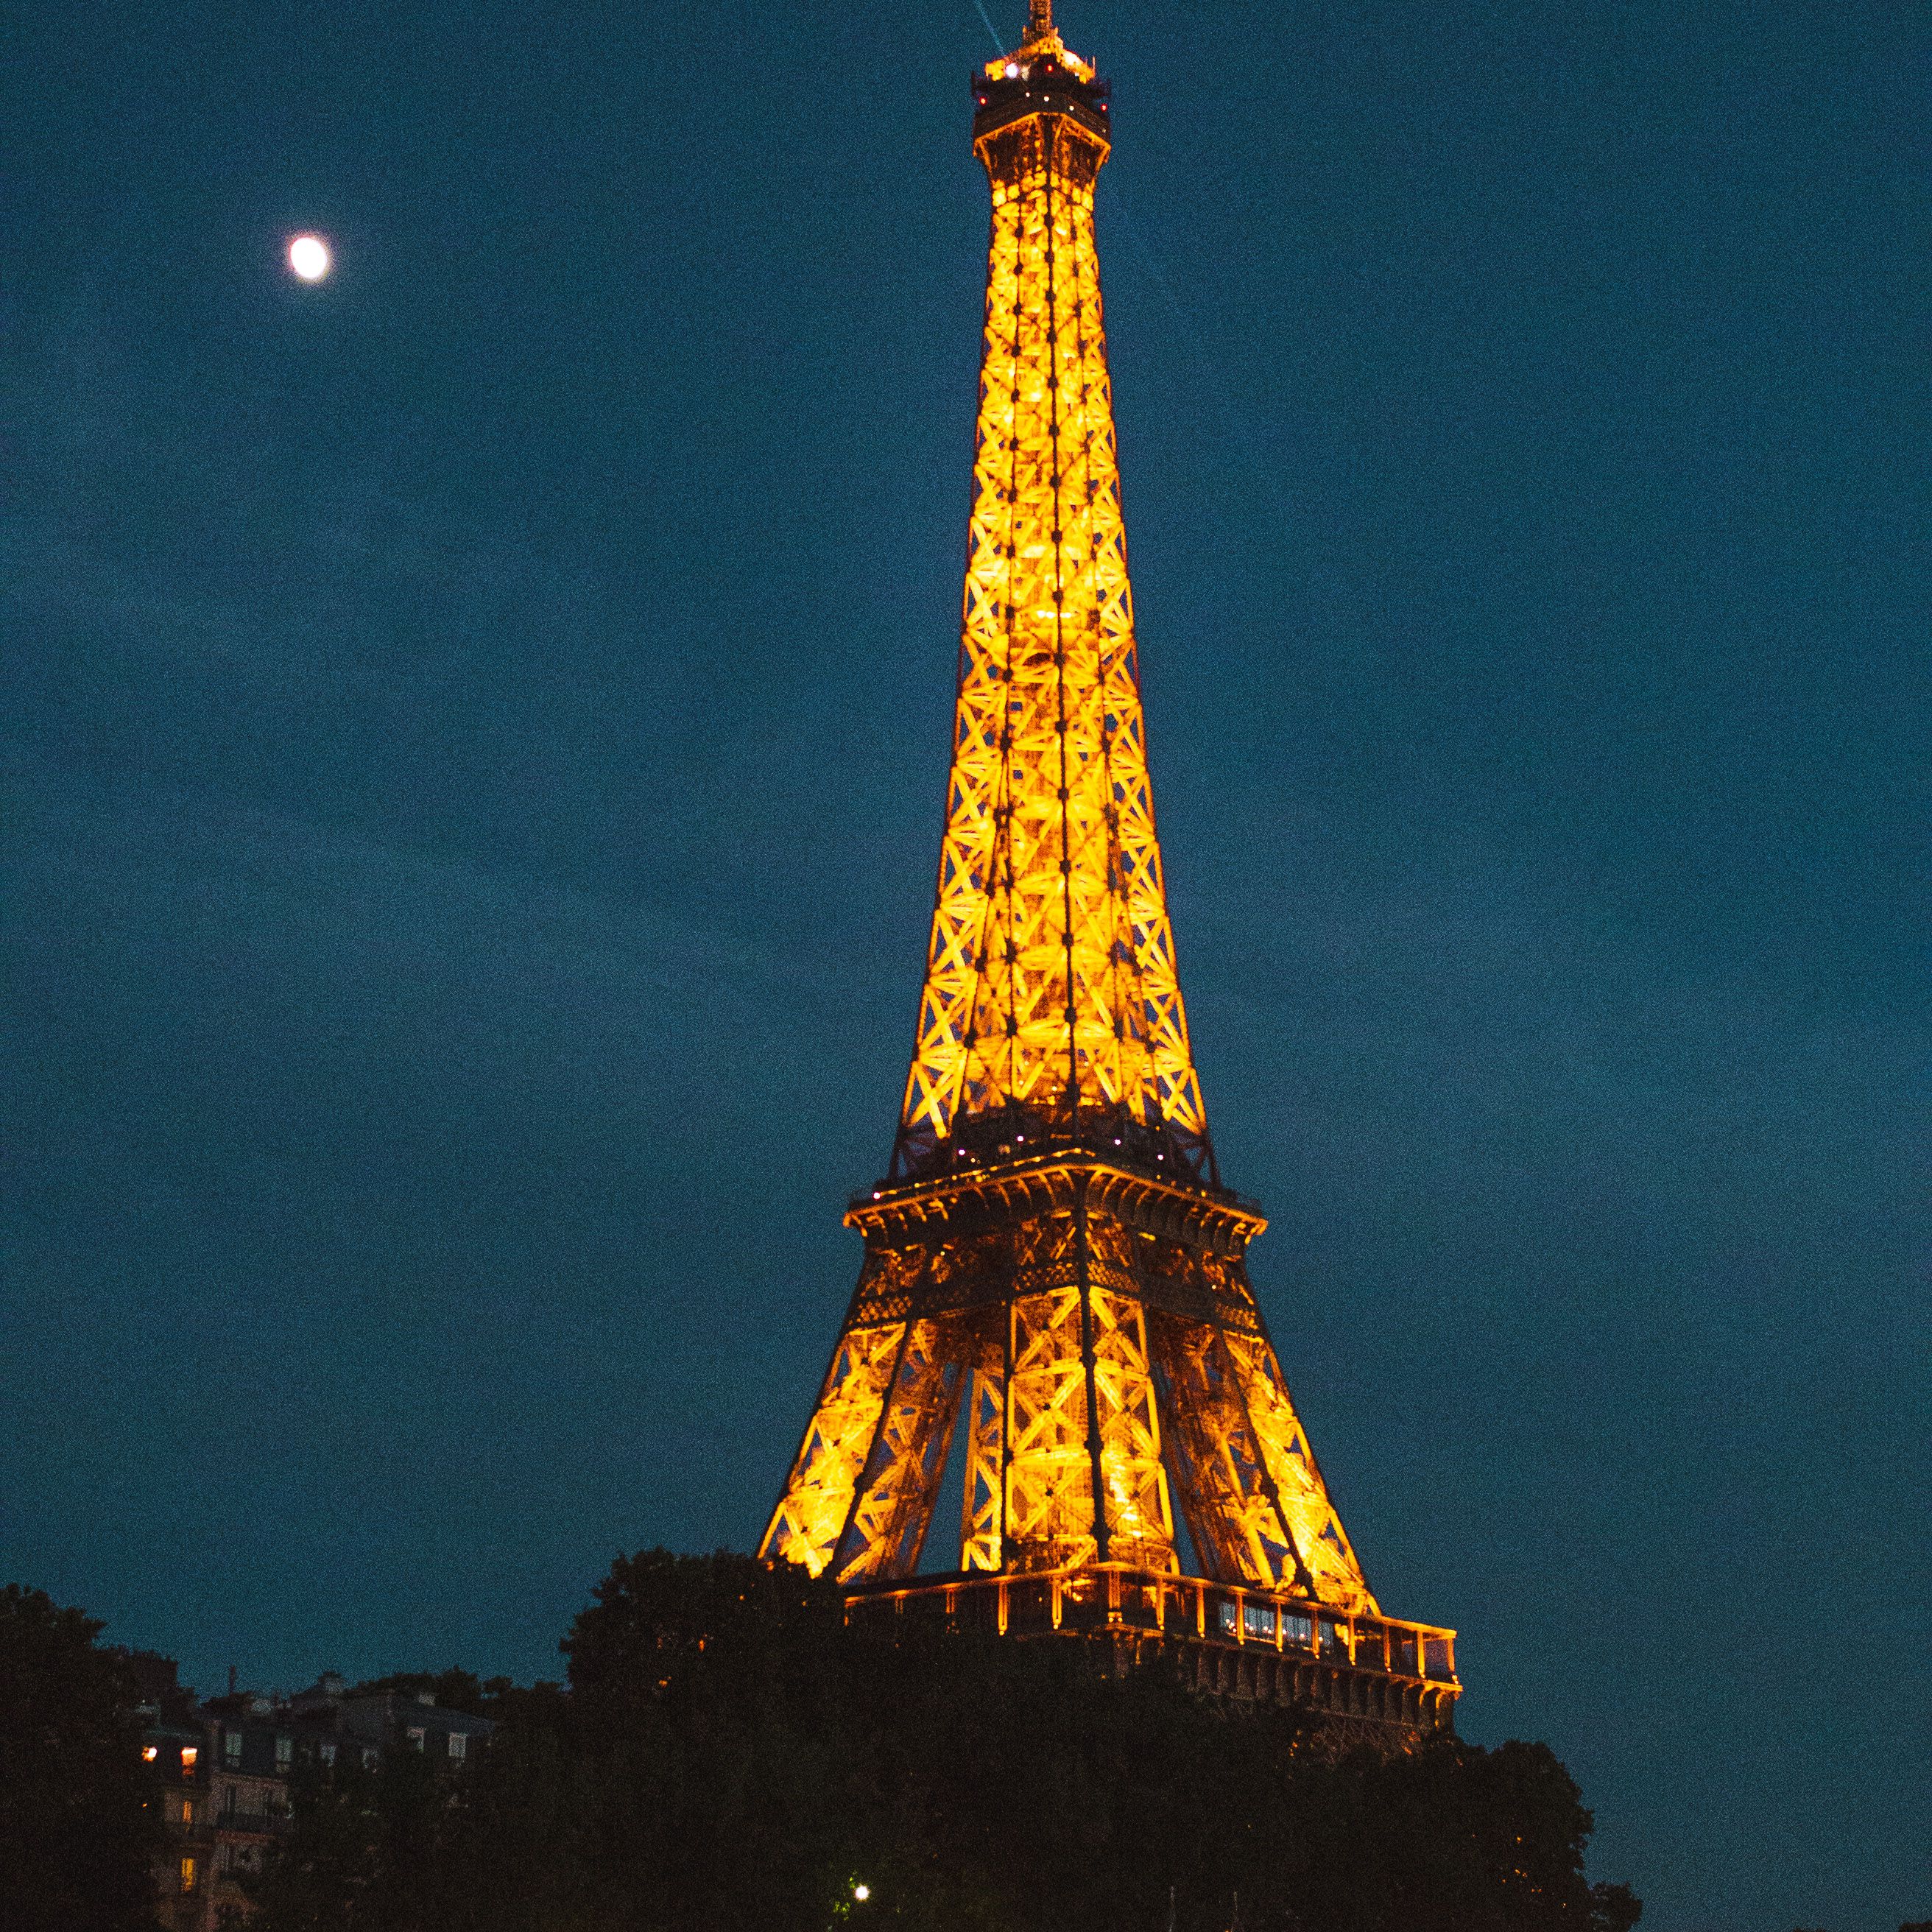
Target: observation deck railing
(1097,1598)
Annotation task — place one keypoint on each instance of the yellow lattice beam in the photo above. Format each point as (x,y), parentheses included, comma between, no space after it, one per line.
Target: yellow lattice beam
(811,1514)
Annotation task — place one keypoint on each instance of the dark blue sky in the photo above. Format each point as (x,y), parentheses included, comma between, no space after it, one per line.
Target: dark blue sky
(476,732)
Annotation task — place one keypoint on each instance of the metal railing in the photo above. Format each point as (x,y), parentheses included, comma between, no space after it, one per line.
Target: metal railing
(1121,1596)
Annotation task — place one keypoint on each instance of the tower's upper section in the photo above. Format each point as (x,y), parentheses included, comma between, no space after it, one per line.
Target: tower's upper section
(1051,1012)
(1042,75)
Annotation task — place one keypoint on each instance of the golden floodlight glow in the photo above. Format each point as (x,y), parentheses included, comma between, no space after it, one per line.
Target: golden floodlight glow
(1054,1304)
(309,257)
(1050,978)
(1042,1313)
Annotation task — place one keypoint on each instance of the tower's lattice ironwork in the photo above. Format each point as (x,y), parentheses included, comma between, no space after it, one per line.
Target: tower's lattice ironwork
(1054,1304)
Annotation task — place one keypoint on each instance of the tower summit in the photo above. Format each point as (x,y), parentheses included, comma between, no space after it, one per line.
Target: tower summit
(1054,1308)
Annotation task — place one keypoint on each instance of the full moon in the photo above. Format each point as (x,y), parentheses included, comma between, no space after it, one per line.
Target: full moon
(308,257)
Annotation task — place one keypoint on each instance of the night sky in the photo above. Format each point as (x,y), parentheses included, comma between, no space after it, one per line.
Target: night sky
(476,732)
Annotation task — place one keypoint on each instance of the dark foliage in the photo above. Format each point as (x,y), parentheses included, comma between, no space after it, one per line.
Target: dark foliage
(454,1689)
(78,1828)
(374,1848)
(730,1757)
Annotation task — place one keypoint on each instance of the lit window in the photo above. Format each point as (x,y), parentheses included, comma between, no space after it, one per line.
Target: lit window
(458,1744)
(150,1752)
(189,1753)
(231,1747)
(188,1811)
(285,1752)
(187,1874)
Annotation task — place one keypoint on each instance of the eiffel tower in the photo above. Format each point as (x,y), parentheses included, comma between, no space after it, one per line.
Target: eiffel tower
(1054,1308)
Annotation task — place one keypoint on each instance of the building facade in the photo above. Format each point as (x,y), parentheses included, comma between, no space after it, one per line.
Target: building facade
(224,1771)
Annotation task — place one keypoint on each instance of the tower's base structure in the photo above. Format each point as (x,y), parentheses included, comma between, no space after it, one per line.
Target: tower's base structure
(1046,1329)
(1054,1313)
(1366,1680)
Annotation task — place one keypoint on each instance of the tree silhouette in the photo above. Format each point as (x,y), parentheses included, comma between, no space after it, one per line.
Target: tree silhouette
(729,1757)
(79,1824)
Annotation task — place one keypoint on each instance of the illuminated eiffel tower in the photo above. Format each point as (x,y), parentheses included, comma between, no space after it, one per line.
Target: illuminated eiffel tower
(1053,1305)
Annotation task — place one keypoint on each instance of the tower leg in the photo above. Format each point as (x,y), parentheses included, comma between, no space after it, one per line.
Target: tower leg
(817,1497)
(892,1507)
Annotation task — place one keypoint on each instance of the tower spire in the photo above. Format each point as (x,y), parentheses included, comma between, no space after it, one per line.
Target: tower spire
(1039,20)
(1051,1009)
